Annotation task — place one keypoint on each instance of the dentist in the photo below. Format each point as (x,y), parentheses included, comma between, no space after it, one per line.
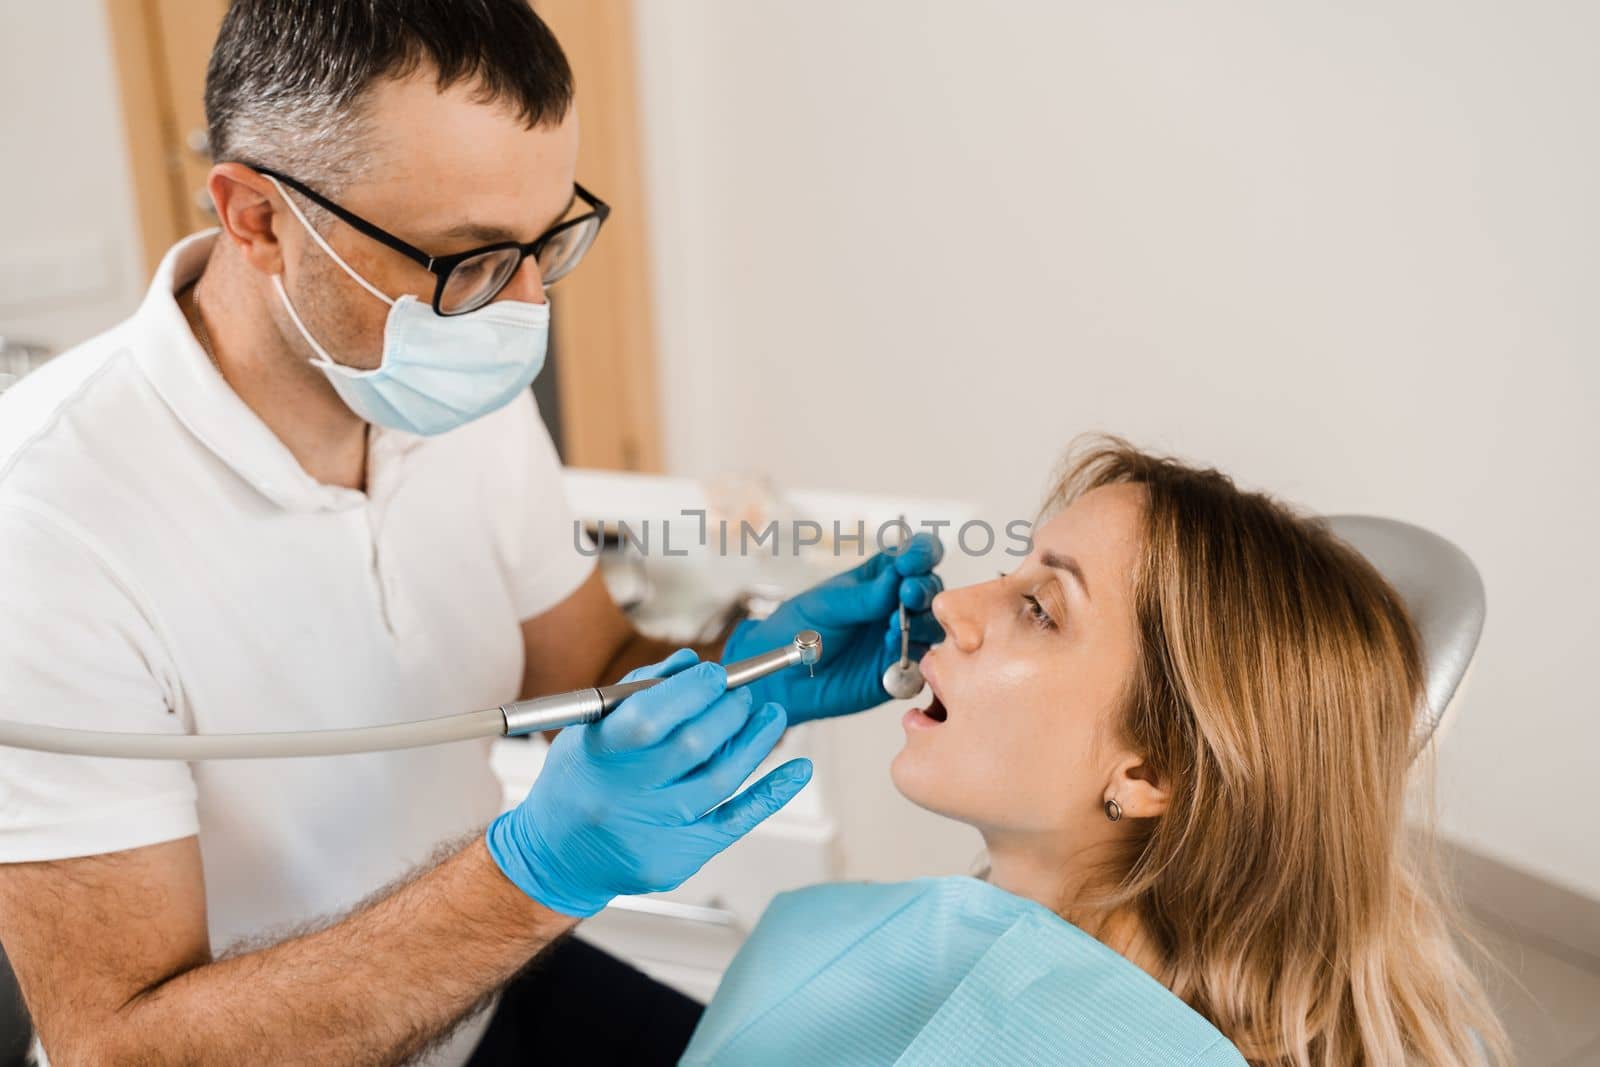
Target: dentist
(305,486)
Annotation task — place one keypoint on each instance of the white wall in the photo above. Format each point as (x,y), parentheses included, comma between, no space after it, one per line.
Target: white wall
(69,254)
(1346,252)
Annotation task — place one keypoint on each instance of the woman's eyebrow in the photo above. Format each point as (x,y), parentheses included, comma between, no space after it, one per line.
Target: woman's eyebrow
(1058,562)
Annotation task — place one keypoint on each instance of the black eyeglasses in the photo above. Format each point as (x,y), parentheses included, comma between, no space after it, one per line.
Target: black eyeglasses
(468,280)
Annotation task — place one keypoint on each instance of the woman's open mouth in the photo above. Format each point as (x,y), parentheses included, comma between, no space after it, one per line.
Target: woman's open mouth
(925,718)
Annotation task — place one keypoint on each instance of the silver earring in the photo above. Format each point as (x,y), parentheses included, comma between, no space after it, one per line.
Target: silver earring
(1113,810)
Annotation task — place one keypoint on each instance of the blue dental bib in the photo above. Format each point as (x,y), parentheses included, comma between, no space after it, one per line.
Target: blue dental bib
(940,971)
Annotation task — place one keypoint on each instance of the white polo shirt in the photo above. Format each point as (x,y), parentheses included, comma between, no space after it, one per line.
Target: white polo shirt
(167,566)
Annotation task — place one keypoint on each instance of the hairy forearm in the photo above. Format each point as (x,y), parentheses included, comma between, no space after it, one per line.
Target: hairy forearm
(374,988)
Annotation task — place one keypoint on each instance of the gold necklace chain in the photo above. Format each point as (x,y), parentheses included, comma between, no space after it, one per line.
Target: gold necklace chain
(201,334)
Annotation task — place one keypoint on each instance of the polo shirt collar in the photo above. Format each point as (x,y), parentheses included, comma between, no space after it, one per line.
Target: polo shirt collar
(190,384)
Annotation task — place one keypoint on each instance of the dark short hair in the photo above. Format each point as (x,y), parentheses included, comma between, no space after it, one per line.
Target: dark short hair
(296,71)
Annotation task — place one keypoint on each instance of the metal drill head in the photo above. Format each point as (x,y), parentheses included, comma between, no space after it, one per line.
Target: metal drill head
(809,644)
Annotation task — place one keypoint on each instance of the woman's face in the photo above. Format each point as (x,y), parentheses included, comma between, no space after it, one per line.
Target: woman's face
(1030,679)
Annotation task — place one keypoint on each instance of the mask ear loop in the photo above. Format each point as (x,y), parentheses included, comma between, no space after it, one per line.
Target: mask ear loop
(316,346)
(327,361)
(322,244)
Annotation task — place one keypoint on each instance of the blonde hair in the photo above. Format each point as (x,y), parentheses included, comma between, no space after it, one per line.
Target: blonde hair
(1278,679)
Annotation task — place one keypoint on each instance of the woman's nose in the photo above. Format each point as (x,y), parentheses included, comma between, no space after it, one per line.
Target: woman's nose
(956,610)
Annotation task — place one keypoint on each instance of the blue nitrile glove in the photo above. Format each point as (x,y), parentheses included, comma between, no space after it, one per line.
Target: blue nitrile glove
(630,804)
(857,614)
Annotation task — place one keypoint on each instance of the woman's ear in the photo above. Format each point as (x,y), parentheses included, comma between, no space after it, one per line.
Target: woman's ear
(245,210)
(1139,793)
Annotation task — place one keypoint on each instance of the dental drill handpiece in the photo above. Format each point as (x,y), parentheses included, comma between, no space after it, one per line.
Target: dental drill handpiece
(591,705)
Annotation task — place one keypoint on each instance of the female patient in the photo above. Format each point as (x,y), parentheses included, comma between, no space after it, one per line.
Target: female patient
(1183,727)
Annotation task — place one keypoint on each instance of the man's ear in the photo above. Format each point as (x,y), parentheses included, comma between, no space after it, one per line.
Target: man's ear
(1136,788)
(247,205)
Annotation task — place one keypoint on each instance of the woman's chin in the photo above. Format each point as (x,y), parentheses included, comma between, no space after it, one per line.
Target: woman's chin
(915,773)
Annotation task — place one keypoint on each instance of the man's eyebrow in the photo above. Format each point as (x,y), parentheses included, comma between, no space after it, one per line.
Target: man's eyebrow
(473,231)
(1068,564)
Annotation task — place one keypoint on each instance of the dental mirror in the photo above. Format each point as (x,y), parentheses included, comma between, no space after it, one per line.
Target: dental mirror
(903,679)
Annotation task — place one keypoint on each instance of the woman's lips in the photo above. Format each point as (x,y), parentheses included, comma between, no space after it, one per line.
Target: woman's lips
(933,713)
(936,710)
(925,718)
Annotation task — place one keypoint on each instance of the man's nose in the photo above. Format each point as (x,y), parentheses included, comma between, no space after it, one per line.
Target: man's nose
(527,285)
(959,612)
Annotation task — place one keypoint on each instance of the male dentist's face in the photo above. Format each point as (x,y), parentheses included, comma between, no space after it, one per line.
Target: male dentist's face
(446,173)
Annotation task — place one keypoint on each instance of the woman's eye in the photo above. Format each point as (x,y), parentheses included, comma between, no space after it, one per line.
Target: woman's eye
(1035,612)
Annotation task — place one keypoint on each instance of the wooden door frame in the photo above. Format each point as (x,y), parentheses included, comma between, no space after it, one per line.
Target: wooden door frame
(149,127)
(603,314)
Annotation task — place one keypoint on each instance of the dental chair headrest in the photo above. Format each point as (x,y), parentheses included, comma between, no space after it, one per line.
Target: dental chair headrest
(1442,591)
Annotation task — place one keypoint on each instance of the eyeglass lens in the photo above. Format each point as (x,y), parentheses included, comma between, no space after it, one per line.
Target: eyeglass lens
(565,249)
(476,281)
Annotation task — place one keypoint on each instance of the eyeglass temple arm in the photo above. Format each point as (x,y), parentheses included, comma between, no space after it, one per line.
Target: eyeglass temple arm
(371,230)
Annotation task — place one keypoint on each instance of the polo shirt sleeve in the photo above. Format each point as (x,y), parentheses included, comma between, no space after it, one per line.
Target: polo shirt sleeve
(76,650)
(550,555)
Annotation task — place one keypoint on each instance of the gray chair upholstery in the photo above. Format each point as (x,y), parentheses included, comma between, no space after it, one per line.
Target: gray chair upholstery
(1442,590)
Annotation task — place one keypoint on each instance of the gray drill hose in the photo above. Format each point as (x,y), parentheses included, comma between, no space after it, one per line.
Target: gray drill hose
(519,717)
(460,727)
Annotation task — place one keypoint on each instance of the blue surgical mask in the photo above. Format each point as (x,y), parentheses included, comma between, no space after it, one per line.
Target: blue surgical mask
(437,372)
